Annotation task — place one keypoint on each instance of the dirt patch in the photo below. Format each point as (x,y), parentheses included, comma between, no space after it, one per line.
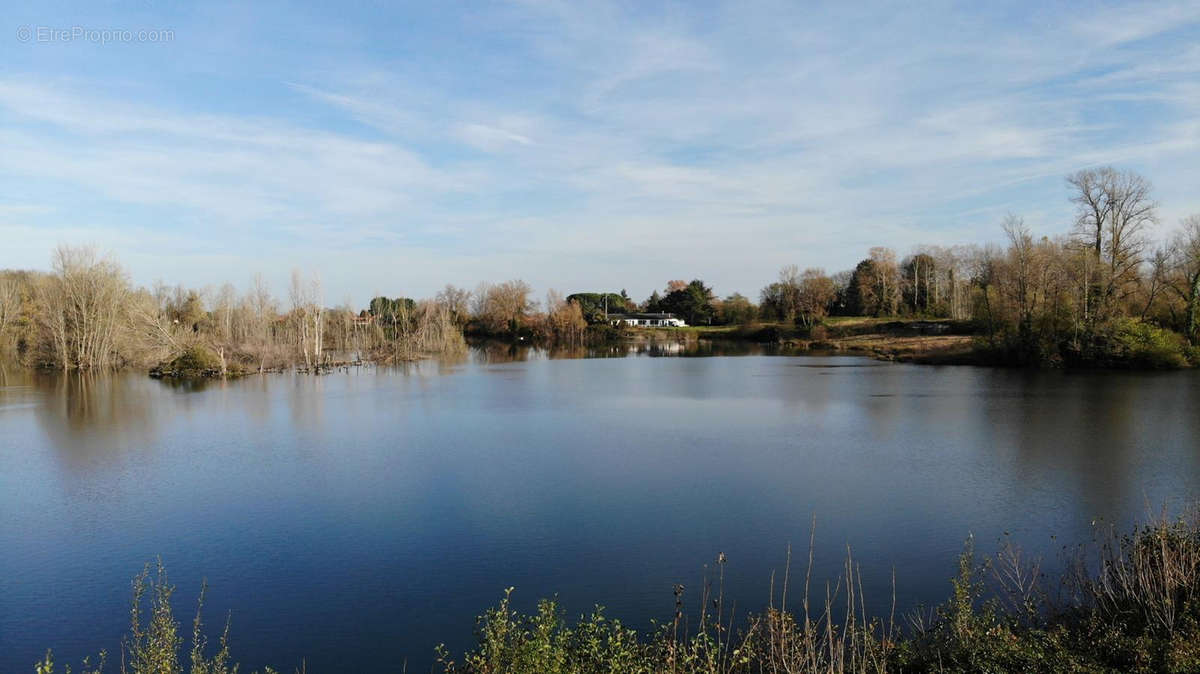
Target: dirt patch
(946,349)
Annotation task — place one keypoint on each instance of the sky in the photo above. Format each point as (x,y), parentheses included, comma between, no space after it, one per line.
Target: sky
(396,147)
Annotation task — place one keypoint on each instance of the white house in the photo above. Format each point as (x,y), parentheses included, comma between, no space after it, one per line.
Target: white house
(647,320)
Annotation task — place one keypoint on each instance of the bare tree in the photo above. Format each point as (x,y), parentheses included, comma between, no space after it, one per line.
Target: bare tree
(84,305)
(789,292)
(984,273)
(500,308)
(955,262)
(10,305)
(308,313)
(564,319)
(1159,277)
(1021,261)
(152,319)
(317,300)
(816,293)
(223,309)
(1092,188)
(479,299)
(1114,212)
(258,309)
(921,280)
(1185,262)
(886,281)
(457,301)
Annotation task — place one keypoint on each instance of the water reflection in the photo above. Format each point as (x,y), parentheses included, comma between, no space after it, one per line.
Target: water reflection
(189,385)
(494,352)
(603,474)
(93,412)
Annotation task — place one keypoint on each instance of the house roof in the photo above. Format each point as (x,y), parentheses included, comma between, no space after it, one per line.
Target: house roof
(643,316)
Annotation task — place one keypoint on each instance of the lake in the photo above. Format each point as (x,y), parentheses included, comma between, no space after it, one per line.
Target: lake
(357,519)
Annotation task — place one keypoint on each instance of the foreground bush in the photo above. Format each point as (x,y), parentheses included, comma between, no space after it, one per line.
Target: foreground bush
(1125,604)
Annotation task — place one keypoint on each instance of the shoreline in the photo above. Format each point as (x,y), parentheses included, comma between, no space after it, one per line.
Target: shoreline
(916,341)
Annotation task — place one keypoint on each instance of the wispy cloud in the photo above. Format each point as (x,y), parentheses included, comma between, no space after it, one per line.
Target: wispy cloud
(587,145)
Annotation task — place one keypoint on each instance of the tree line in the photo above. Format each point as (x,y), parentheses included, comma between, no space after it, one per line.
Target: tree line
(1103,290)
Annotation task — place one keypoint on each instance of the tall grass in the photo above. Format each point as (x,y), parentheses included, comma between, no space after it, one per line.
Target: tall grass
(1125,603)
(153,644)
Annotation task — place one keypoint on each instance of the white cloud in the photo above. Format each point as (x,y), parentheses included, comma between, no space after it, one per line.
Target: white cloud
(613,143)
(1129,23)
(490,138)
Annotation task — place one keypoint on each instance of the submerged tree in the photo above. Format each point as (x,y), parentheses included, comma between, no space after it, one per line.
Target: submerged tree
(308,314)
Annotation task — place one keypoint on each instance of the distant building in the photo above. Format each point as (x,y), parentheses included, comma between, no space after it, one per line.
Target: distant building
(647,320)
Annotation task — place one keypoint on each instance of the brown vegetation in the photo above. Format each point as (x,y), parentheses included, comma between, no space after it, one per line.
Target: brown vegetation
(1098,295)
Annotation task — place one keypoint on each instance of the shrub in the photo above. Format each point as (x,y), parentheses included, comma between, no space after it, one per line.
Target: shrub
(198,358)
(196,361)
(1142,344)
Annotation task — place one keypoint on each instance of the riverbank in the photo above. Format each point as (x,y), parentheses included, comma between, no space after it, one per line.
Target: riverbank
(1126,603)
(1134,345)
(923,341)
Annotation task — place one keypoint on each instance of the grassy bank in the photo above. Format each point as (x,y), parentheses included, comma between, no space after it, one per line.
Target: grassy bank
(900,339)
(1126,603)
(1122,344)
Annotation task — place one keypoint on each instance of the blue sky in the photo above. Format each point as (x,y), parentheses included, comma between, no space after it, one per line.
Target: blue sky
(396,147)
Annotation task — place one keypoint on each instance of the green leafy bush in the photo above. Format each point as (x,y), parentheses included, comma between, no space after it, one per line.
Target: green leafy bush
(1145,345)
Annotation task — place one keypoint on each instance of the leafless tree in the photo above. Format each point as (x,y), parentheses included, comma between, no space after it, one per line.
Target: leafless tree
(317,296)
(816,293)
(258,311)
(1114,212)
(308,312)
(984,263)
(1185,263)
(789,292)
(223,307)
(500,307)
(1158,277)
(457,301)
(1021,259)
(479,299)
(886,281)
(564,319)
(84,304)
(922,280)
(10,305)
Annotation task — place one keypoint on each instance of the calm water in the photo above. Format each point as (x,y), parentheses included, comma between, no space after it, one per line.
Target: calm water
(361,518)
